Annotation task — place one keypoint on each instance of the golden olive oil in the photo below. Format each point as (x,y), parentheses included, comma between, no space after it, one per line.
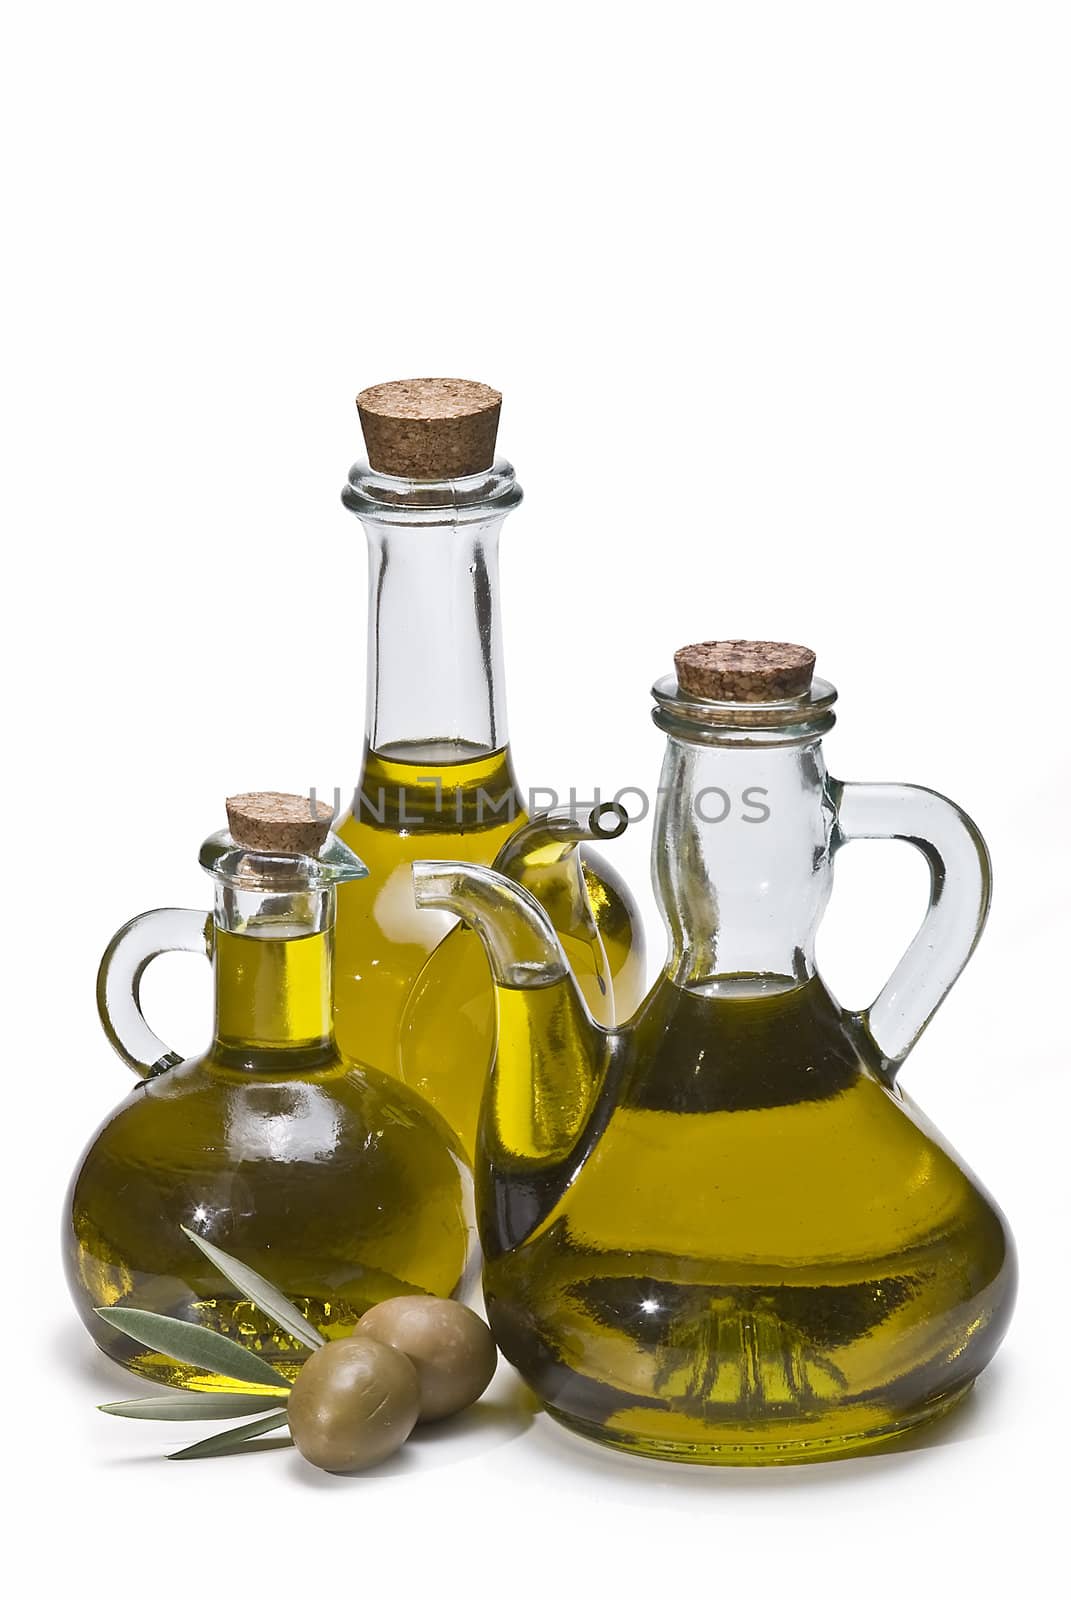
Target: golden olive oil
(269,986)
(755,1250)
(412,989)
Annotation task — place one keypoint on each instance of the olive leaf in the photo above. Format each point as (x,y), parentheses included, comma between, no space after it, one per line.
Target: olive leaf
(191,1407)
(262,1293)
(201,1347)
(221,1444)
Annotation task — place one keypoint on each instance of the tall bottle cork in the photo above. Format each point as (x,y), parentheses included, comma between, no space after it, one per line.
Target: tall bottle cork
(430,428)
(744,670)
(279,824)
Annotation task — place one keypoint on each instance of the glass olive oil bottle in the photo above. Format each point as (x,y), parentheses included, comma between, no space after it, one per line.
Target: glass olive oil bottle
(333,1181)
(722,1231)
(437,778)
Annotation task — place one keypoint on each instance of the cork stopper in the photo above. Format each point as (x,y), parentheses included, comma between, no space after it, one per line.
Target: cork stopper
(744,670)
(430,428)
(279,824)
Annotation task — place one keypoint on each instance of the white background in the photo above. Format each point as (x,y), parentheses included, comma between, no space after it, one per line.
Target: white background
(778,297)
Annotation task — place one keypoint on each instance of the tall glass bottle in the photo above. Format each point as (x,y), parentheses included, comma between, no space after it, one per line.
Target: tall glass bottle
(437,778)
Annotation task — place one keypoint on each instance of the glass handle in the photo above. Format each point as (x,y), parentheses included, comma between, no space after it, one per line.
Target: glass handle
(960,888)
(144,938)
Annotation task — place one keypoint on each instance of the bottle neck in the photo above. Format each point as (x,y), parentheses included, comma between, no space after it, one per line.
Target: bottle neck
(741,861)
(435,679)
(435,682)
(273,989)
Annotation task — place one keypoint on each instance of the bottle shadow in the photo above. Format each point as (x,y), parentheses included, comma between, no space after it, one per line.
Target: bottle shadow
(75,1354)
(970,1418)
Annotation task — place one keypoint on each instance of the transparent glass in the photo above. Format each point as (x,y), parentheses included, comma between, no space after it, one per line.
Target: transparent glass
(437,780)
(335,1182)
(723,1232)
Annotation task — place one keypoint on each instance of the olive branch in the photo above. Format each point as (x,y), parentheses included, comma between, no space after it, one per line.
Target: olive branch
(259,1388)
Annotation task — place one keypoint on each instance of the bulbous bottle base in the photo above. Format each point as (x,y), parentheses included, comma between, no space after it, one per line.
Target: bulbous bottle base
(339,1186)
(860,1430)
(768,1252)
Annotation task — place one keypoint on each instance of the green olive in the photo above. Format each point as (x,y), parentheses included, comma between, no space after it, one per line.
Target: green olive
(353,1403)
(450,1347)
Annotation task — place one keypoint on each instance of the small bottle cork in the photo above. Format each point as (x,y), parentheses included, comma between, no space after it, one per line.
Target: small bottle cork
(279,824)
(744,670)
(430,428)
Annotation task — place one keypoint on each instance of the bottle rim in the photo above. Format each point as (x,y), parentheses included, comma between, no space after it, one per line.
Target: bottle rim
(800,720)
(239,867)
(418,502)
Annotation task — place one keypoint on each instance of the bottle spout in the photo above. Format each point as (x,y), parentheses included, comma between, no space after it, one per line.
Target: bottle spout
(521,945)
(549,837)
(543,855)
(539,1116)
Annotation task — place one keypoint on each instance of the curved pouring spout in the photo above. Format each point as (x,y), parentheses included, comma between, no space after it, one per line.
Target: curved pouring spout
(551,1065)
(522,947)
(542,857)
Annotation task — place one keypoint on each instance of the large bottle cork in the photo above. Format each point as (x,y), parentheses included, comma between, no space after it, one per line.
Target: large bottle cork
(744,670)
(279,824)
(430,428)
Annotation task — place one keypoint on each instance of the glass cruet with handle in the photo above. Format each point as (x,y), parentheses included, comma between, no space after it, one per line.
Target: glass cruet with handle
(723,1232)
(334,1182)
